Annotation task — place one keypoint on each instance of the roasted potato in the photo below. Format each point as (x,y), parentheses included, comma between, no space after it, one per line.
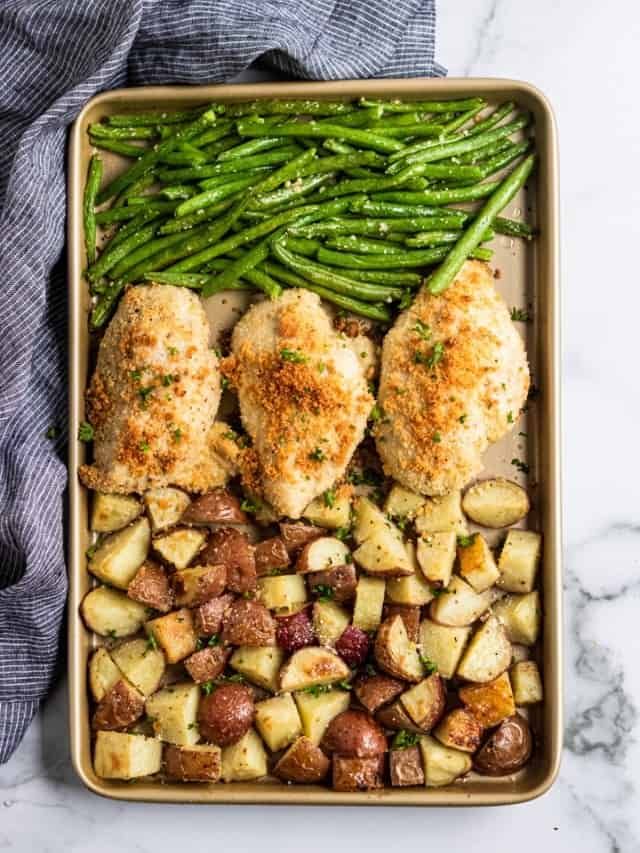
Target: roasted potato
(296,535)
(368,518)
(440,515)
(341,580)
(121,554)
(476,563)
(489,703)
(395,653)
(317,711)
(442,765)
(495,503)
(271,555)
(248,623)
(410,615)
(311,666)
(323,553)
(261,665)
(436,553)
(231,548)
(142,664)
(405,767)
(331,513)
(180,547)
(401,503)
(174,633)
(519,561)
(357,774)
(526,682)
(460,729)
(283,593)
(354,734)
(488,653)
(198,763)
(103,673)
(278,721)
(113,512)
(303,762)
(384,553)
(329,621)
(208,618)
(216,507)
(119,755)
(165,507)
(367,610)
(119,708)
(207,664)
(521,616)
(413,590)
(150,586)
(443,645)
(111,614)
(173,712)
(460,604)
(425,702)
(226,714)
(374,691)
(197,585)
(244,760)
(395,717)
(507,749)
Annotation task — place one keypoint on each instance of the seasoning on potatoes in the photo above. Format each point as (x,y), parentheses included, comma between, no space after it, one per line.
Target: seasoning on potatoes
(150,586)
(495,503)
(296,535)
(231,548)
(207,619)
(198,584)
(303,762)
(374,691)
(197,763)
(271,555)
(207,664)
(354,734)
(338,583)
(119,708)
(226,715)
(410,615)
(216,507)
(507,749)
(248,623)
(358,774)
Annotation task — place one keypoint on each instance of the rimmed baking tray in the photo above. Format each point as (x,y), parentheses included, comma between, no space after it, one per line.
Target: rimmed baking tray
(528,277)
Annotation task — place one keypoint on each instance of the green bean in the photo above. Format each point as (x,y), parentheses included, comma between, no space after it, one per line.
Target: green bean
(353,243)
(103,131)
(417,258)
(206,199)
(142,119)
(455,124)
(476,157)
(228,177)
(184,158)
(443,171)
(238,268)
(282,107)
(341,162)
(396,278)
(377,227)
(297,189)
(94,176)
(198,173)
(439,197)
(214,149)
(179,279)
(254,146)
(494,164)
(132,227)
(177,192)
(338,147)
(103,307)
(213,134)
(513,228)
(389,209)
(109,259)
(185,223)
(118,147)
(470,239)
(365,185)
(492,120)
(406,130)
(290,171)
(144,257)
(397,106)
(134,189)
(118,214)
(151,156)
(302,245)
(314,129)
(436,238)
(357,118)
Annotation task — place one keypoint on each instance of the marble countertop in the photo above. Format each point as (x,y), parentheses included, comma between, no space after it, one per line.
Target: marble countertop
(585,59)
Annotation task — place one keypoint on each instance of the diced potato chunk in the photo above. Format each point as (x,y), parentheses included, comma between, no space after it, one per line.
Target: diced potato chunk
(384,553)
(259,664)
(331,510)
(488,653)
(521,617)
(526,682)
(174,712)
(165,507)
(123,756)
(282,593)
(311,666)
(519,560)
(412,589)
(440,515)
(244,760)
(329,621)
(442,765)
(197,763)
(425,701)
(460,604)
(141,663)
(436,554)
(113,512)
(490,703)
(460,730)
(367,611)
(175,634)
(495,503)
(278,721)
(368,519)
(316,712)
(395,653)
(120,556)
(111,614)
(103,673)
(443,644)
(477,565)
(323,553)
(180,546)
(401,503)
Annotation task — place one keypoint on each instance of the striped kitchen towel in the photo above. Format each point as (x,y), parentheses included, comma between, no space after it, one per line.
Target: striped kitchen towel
(55,55)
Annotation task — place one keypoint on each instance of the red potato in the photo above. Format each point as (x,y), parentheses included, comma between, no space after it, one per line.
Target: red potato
(353,646)
(342,580)
(197,763)
(323,553)
(226,715)
(208,618)
(295,632)
(231,548)
(303,762)
(394,716)
(119,708)
(197,585)
(207,664)
(248,623)
(507,749)
(271,554)
(358,774)
(150,587)
(409,614)
(354,734)
(405,767)
(216,507)
(296,535)
(374,691)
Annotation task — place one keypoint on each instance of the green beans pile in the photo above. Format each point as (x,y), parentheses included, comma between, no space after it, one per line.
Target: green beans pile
(354,201)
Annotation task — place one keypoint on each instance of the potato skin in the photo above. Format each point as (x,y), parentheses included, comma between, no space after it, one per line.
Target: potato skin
(507,749)
(192,765)
(248,623)
(410,615)
(271,554)
(296,535)
(374,691)
(119,707)
(210,582)
(303,762)
(358,774)
(354,734)
(208,618)
(395,717)
(343,580)
(405,767)
(460,730)
(226,715)
(232,548)
(207,664)
(216,507)
(150,586)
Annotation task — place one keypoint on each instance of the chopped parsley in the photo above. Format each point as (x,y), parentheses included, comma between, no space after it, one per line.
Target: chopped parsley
(436,438)
(520,315)
(207,687)
(112,634)
(405,300)
(509,417)
(52,432)
(317,455)
(462,418)
(520,465)
(329,498)
(224,383)
(342,533)
(324,592)
(437,590)
(144,393)
(466,541)
(172,350)
(429,665)
(344,684)
(435,356)
(214,640)
(376,413)
(404,739)
(422,329)
(366,477)
(317,689)
(85,432)
(249,505)
(136,375)
(292,355)
(152,643)
(321,367)
(144,446)
(91,551)
(370,669)
(167,379)
(177,434)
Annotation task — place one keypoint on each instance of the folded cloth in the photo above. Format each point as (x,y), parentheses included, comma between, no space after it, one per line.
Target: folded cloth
(55,56)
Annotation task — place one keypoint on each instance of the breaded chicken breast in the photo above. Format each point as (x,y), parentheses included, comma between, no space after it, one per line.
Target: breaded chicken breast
(154,395)
(303,398)
(453,378)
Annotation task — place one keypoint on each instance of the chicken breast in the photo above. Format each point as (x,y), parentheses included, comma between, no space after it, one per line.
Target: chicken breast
(154,395)
(304,399)
(453,379)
